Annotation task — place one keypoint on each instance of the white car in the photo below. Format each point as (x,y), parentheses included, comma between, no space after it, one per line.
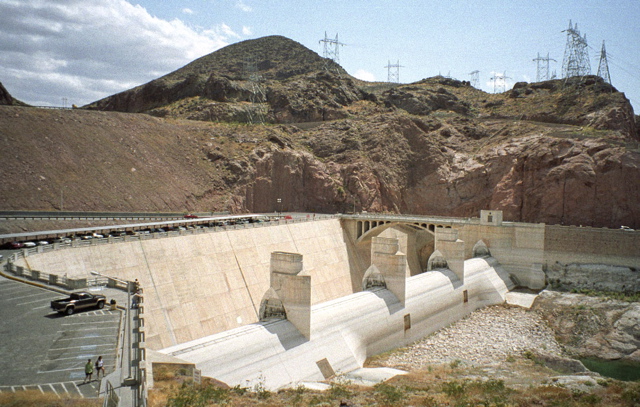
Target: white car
(28,244)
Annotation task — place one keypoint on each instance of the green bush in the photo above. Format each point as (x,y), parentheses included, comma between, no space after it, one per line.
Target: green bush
(453,389)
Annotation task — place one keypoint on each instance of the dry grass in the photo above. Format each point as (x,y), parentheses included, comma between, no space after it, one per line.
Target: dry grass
(442,385)
(34,398)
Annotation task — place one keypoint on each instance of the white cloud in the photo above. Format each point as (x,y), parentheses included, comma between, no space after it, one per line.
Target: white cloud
(246,30)
(243,6)
(187,11)
(365,75)
(84,51)
(225,30)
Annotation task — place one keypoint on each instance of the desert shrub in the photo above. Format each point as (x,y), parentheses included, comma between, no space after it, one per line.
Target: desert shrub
(454,389)
(388,394)
(189,395)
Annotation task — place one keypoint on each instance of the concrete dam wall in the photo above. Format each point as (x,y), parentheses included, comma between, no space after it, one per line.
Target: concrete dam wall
(202,284)
(347,330)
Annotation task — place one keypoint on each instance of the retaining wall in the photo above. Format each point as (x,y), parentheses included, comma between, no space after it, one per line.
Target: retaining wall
(198,285)
(572,244)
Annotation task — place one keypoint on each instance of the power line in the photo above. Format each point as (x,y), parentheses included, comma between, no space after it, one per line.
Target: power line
(331,51)
(542,71)
(603,65)
(257,94)
(475,78)
(576,54)
(393,76)
(500,81)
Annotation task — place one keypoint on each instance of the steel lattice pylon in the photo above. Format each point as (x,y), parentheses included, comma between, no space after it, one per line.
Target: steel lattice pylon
(576,54)
(393,76)
(603,66)
(542,68)
(331,51)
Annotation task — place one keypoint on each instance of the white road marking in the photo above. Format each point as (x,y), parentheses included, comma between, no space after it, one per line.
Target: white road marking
(83,347)
(62,370)
(33,302)
(78,389)
(116,322)
(54,390)
(84,337)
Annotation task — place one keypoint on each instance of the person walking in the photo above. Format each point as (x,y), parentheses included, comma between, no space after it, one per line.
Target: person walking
(88,371)
(100,367)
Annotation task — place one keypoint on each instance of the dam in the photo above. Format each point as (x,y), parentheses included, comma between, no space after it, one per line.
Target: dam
(302,301)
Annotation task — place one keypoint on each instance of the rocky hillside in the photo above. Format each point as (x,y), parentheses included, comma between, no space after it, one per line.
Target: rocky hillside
(7,99)
(563,152)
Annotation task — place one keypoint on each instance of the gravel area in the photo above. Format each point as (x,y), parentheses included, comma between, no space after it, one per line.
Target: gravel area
(485,337)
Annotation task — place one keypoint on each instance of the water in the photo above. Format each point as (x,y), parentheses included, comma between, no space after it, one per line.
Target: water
(616,369)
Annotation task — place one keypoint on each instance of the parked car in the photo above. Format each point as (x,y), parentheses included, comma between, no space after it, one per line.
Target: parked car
(29,244)
(78,301)
(190,216)
(42,243)
(13,245)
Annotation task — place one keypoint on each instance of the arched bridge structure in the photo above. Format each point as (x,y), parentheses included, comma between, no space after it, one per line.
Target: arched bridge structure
(370,225)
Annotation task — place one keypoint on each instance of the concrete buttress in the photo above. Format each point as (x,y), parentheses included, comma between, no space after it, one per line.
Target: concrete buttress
(293,288)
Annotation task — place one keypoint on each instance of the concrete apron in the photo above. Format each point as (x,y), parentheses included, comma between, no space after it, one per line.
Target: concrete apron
(345,331)
(524,300)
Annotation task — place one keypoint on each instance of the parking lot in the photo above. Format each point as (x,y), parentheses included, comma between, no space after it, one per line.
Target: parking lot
(41,349)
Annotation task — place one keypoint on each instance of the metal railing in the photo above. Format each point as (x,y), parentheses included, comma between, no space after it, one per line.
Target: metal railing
(111,398)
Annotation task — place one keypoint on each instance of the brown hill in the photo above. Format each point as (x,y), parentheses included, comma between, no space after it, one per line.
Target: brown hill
(289,82)
(7,99)
(557,152)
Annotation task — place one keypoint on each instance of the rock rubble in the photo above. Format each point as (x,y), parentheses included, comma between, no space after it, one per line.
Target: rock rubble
(486,337)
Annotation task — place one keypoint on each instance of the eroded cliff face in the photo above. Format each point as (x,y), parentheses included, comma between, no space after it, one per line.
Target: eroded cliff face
(378,162)
(591,327)
(403,164)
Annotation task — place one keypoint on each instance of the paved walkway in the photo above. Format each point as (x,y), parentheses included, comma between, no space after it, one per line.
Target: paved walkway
(70,340)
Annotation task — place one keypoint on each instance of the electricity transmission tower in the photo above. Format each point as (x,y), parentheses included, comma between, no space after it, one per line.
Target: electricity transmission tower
(603,66)
(542,72)
(331,51)
(576,54)
(393,75)
(475,78)
(257,94)
(499,82)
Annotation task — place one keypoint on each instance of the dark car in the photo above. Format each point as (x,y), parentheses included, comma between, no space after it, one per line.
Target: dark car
(12,245)
(78,301)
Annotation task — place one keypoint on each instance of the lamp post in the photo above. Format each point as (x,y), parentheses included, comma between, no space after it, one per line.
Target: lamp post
(128,315)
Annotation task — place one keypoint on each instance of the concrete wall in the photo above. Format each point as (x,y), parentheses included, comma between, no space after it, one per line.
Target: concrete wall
(517,246)
(345,331)
(198,285)
(572,244)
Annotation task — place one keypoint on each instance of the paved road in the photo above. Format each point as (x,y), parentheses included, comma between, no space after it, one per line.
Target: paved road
(40,349)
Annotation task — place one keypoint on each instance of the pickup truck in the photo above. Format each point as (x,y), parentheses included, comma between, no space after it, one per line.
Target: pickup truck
(78,301)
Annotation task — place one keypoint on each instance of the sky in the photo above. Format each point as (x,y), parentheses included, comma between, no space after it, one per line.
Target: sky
(64,52)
